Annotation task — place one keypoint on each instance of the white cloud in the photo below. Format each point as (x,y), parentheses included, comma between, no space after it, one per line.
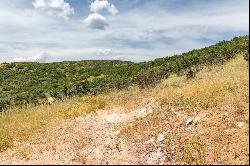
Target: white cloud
(96,21)
(99,5)
(105,52)
(118,57)
(132,34)
(112,9)
(54,7)
(42,57)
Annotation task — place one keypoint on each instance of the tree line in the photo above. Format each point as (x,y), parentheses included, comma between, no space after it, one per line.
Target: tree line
(23,83)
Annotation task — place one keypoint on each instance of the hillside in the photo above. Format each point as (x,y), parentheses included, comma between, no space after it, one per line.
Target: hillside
(203,120)
(22,84)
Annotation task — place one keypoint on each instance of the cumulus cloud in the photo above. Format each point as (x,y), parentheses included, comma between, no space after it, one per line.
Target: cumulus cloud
(135,35)
(42,57)
(118,57)
(105,52)
(96,21)
(99,5)
(54,7)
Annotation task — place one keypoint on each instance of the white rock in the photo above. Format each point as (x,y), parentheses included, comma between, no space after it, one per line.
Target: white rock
(159,149)
(117,132)
(155,157)
(241,124)
(189,121)
(161,137)
(179,114)
(50,100)
(150,141)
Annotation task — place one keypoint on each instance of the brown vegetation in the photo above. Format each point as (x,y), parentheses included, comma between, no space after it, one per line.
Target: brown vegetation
(203,120)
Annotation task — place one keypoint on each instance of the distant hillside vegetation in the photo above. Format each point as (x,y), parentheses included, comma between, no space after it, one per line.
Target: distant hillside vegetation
(27,82)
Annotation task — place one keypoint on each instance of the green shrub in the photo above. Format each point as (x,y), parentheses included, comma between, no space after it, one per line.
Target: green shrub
(25,83)
(151,77)
(246,55)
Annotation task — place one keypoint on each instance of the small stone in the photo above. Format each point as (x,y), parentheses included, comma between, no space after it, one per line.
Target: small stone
(50,100)
(241,124)
(189,121)
(161,137)
(117,132)
(159,149)
(150,141)
(155,157)
(178,114)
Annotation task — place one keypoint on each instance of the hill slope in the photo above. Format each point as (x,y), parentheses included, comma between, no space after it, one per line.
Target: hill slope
(34,83)
(203,120)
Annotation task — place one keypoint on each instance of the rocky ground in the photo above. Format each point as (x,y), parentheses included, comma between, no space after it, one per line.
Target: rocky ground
(92,139)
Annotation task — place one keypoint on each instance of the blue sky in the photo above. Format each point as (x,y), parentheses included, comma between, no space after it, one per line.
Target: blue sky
(134,30)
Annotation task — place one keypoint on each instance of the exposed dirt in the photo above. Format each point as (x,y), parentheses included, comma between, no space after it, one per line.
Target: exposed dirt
(143,135)
(212,128)
(93,139)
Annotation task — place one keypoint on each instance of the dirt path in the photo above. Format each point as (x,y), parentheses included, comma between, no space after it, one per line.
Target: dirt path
(93,139)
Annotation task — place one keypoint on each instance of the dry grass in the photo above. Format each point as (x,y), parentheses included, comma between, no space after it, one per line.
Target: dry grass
(217,100)
(18,124)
